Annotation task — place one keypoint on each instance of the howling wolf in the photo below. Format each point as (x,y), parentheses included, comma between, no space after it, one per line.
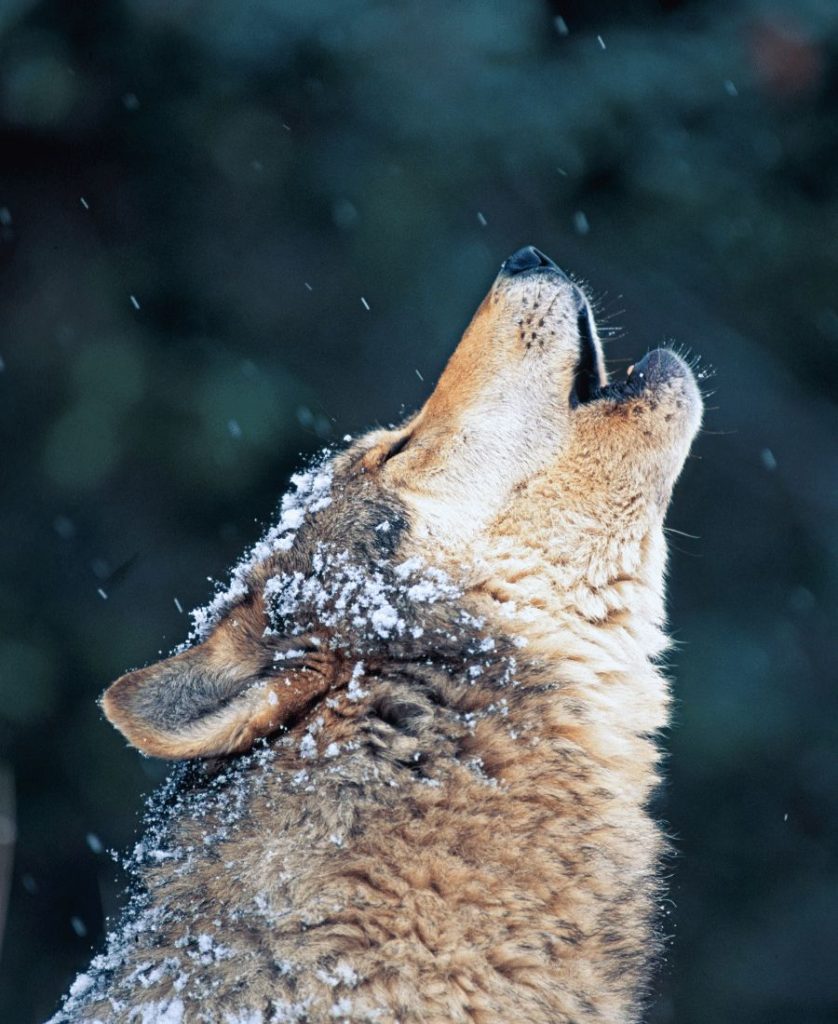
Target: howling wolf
(418,728)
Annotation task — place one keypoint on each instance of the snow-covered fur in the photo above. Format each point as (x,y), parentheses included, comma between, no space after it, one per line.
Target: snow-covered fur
(420,724)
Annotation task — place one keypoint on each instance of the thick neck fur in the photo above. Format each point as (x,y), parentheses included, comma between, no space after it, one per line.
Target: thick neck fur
(465,806)
(597,622)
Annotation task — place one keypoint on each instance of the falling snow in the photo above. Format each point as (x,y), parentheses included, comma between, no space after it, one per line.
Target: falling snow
(768,459)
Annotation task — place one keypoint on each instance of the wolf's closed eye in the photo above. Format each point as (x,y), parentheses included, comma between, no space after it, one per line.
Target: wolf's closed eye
(398,447)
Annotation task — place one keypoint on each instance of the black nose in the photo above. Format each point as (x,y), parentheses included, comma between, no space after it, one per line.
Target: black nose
(529,258)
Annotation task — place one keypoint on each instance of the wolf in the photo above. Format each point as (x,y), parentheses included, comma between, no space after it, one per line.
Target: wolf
(418,730)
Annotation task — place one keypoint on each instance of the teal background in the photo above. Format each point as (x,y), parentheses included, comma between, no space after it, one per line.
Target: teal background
(249,171)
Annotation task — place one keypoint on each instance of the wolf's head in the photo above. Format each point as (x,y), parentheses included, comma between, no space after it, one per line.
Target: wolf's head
(527,483)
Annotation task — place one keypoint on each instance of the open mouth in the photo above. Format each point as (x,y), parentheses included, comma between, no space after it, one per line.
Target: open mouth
(655,368)
(586,380)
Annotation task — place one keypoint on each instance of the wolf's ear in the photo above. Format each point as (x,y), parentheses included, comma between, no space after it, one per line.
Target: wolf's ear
(196,704)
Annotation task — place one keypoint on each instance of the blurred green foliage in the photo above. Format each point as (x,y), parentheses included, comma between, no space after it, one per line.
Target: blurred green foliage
(195,198)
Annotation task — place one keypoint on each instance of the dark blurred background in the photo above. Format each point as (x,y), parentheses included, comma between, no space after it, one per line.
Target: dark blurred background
(199,199)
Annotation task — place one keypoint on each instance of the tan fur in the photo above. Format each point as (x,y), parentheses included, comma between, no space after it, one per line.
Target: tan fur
(449,823)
